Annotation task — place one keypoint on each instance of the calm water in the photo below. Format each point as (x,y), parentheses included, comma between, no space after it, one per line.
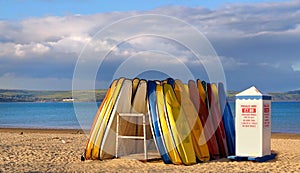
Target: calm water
(46,115)
(285,115)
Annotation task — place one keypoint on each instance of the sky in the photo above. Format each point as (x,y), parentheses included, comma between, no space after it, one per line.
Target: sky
(257,42)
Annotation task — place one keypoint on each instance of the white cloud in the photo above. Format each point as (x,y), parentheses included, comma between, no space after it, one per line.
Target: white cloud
(296,66)
(231,64)
(19,51)
(273,65)
(70,44)
(40,48)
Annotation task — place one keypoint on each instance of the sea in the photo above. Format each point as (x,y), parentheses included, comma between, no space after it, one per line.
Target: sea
(285,117)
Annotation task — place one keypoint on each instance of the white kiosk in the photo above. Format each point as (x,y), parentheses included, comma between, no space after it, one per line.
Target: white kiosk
(253,126)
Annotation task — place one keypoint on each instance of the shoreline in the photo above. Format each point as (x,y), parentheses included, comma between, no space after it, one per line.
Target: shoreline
(41,130)
(274,135)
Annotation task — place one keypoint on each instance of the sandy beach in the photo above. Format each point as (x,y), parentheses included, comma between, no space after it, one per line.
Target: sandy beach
(27,150)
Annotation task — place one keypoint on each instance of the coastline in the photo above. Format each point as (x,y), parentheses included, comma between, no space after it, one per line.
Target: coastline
(59,150)
(278,135)
(41,130)
(275,135)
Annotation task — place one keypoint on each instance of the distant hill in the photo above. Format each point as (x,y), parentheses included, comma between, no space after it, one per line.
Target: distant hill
(294,92)
(276,96)
(287,96)
(47,96)
(84,95)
